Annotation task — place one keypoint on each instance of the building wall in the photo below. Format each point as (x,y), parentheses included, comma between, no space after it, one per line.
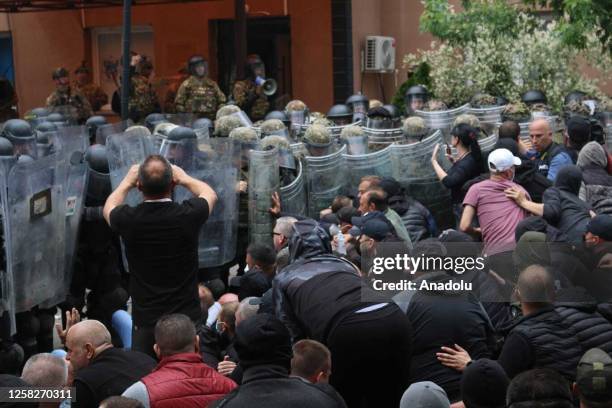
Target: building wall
(43,41)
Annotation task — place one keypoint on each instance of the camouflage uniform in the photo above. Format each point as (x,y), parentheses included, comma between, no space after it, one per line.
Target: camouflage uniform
(94,94)
(517,111)
(434,105)
(483,100)
(227,110)
(72,98)
(225,124)
(317,134)
(251,99)
(273,127)
(275,141)
(414,129)
(199,96)
(143,100)
(468,119)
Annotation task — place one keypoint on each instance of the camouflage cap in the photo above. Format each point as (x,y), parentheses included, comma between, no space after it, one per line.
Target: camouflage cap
(225,124)
(138,128)
(435,105)
(295,105)
(577,107)
(244,134)
(322,121)
(516,108)
(317,134)
(279,142)
(539,107)
(375,103)
(468,119)
(162,129)
(351,131)
(483,99)
(272,125)
(414,126)
(605,105)
(227,110)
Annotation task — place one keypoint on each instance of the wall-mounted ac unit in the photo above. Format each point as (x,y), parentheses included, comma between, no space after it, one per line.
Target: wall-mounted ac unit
(379,54)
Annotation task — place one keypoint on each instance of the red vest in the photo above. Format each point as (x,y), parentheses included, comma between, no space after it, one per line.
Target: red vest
(183,380)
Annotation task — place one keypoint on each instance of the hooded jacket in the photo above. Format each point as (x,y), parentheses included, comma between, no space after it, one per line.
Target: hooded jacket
(596,189)
(417,219)
(562,207)
(316,289)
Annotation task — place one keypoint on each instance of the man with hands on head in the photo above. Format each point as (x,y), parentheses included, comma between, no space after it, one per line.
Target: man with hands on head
(161,243)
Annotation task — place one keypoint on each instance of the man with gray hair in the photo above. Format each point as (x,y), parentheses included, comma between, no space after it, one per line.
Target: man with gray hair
(283,230)
(101,370)
(45,370)
(247,308)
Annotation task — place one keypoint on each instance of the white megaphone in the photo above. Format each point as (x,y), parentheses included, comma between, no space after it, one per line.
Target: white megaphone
(269,85)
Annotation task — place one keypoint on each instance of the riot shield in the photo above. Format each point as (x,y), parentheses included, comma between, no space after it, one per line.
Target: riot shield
(326,178)
(442,120)
(217,164)
(378,139)
(335,131)
(7,298)
(203,134)
(488,117)
(293,196)
(70,144)
(371,164)
(181,119)
(487,144)
(124,150)
(103,132)
(69,112)
(263,181)
(413,170)
(37,228)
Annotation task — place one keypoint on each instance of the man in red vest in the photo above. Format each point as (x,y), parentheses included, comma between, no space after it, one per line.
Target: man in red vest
(181,379)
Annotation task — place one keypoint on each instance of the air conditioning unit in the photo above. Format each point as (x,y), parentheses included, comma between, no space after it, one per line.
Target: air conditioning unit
(379,54)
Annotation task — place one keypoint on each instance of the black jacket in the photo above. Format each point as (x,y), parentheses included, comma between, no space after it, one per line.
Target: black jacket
(417,219)
(316,289)
(445,318)
(597,189)
(270,386)
(460,173)
(110,373)
(562,207)
(253,283)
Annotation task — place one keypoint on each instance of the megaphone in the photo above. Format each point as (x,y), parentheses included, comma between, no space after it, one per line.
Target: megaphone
(269,85)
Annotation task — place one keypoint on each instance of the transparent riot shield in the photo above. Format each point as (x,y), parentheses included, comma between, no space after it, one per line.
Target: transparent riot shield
(181,119)
(487,144)
(293,196)
(103,132)
(217,164)
(7,298)
(37,230)
(378,139)
(263,181)
(203,134)
(70,144)
(335,131)
(124,150)
(371,164)
(442,120)
(68,112)
(413,170)
(488,117)
(326,178)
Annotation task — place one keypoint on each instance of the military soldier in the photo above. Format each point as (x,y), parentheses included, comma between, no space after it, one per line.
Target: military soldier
(94,94)
(199,94)
(414,129)
(65,96)
(318,140)
(143,99)
(248,93)
(169,106)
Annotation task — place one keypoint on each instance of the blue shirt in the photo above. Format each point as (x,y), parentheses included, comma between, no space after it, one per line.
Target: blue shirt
(560,160)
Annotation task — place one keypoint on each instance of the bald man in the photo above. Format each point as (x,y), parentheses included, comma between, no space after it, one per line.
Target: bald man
(101,370)
(550,156)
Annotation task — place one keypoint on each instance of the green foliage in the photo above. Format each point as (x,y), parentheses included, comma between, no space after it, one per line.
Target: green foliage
(420,76)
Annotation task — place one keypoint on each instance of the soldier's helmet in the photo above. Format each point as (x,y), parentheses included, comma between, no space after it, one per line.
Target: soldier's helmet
(93,123)
(392,109)
(181,133)
(6,147)
(272,125)
(322,120)
(154,119)
(435,105)
(576,108)
(340,112)
(56,117)
(274,141)
(415,127)
(60,72)
(97,158)
(195,61)
(243,134)
(225,124)
(375,103)
(483,100)
(417,90)
(280,115)
(317,136)
(351,131)
(227,110)
(38,113)
(46,126)
(295,106)
(468,119)
(533,96)
(577,96)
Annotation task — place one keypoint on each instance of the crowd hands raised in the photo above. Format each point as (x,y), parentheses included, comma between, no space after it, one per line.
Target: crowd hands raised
(301,327)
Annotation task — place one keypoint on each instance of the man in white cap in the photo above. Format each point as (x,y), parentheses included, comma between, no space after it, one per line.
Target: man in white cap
(497,214)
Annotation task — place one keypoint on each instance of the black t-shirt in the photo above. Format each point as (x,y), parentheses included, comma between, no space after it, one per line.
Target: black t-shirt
(161,242)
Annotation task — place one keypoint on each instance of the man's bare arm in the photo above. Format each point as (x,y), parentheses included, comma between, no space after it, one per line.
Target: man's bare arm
(118,196)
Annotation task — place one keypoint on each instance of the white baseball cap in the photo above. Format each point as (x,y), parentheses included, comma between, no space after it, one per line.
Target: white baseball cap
(502,160)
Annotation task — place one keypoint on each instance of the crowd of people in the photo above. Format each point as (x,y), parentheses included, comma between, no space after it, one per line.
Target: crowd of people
(301,325)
